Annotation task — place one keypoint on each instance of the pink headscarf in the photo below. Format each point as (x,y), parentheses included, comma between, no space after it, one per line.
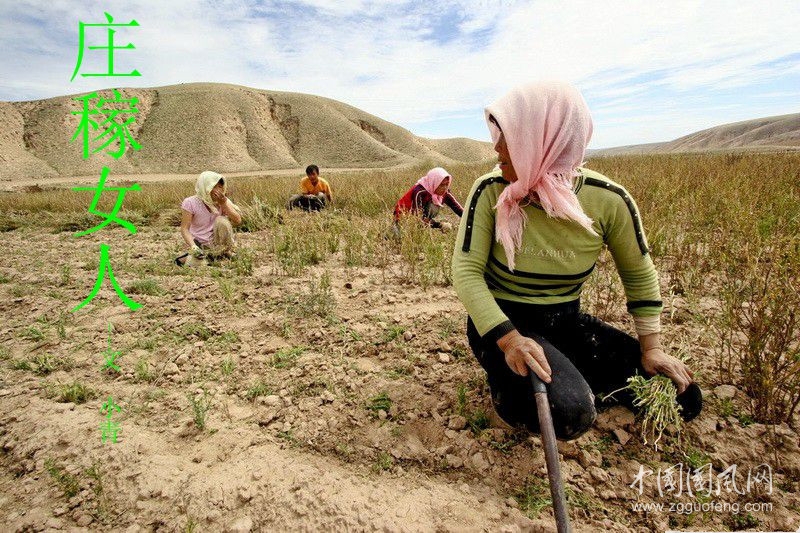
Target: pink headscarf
(431,182)
(547,127)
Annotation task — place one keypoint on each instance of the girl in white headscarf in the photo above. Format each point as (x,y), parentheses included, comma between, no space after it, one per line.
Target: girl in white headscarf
(207,220)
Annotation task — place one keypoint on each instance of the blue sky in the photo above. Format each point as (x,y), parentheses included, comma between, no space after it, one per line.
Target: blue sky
(649,72)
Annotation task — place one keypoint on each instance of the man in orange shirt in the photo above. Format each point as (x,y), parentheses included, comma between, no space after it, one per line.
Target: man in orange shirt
(315,192)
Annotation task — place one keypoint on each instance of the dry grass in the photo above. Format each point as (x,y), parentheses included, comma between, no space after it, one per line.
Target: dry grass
(723,229)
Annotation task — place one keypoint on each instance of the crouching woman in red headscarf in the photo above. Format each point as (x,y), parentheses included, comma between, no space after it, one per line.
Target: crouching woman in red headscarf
(430,193)
(532,235)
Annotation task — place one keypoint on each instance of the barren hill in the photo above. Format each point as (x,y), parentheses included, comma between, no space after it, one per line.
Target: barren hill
(780,132)
(187,128)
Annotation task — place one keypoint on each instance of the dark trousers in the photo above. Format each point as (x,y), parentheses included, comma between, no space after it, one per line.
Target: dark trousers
(587,357)
(307,202)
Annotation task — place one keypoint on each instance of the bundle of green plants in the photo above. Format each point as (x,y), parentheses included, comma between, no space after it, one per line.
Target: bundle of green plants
(658,410)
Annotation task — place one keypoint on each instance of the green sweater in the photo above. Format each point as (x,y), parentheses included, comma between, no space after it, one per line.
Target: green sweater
(556,256)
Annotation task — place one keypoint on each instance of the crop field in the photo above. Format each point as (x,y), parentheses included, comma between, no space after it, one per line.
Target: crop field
(321,380)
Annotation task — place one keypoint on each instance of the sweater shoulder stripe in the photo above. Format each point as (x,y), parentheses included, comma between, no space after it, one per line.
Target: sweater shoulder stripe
(637,224)
(471,210)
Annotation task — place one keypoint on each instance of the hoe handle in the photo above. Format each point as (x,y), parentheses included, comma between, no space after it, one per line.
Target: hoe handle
(551,455)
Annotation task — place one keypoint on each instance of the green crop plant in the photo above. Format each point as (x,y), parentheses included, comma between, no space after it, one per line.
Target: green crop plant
(655,399)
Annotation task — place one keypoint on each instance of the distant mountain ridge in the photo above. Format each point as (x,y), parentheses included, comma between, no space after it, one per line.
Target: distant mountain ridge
(191,127)
(770,133)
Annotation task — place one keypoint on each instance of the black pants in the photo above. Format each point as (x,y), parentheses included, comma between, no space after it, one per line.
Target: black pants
(307,202)
(587,357)
(429,211)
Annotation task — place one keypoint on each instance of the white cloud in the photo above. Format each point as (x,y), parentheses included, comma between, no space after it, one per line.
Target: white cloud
(416,62)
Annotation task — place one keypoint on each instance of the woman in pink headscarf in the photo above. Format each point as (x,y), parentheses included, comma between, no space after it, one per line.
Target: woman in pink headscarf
(431,192)
(532,235)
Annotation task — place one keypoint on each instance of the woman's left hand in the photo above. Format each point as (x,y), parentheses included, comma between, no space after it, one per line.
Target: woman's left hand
(656,361)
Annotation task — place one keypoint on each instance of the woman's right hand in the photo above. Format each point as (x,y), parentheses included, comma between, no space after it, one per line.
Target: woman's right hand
(523,353)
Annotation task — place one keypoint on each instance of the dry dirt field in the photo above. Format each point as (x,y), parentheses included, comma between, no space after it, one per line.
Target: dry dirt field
(321,381)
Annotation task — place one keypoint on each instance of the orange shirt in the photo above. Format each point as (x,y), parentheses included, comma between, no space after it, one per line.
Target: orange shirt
(322,186)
